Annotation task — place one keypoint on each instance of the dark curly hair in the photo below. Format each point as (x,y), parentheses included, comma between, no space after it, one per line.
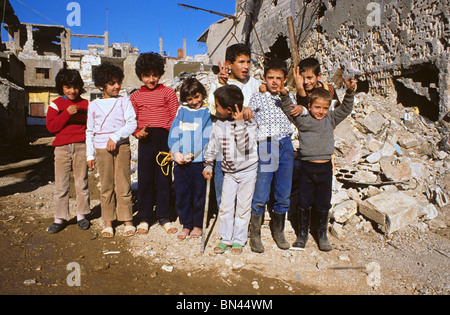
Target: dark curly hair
(148,62)
(105,73)
(68,77)
(236,50)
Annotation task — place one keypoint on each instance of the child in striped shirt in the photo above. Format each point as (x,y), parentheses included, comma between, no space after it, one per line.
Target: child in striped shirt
(233,141)
(156,107)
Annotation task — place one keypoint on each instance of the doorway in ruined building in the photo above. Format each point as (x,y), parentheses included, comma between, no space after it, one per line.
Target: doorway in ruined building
(418,87)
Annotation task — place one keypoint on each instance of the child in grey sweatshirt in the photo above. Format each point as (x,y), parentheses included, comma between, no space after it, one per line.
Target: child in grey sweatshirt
(233,142)
(316,135)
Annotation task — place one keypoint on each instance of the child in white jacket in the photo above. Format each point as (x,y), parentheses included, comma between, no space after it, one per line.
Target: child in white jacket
(111,120)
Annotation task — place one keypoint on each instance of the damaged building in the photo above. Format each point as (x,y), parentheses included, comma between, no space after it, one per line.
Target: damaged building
(394,48)
(45,49)
(12,93)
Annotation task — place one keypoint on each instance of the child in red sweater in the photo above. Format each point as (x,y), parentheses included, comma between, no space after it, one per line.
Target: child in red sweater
(156,107)
(66,118)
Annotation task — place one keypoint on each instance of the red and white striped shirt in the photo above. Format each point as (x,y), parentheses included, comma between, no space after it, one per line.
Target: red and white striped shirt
(156,108)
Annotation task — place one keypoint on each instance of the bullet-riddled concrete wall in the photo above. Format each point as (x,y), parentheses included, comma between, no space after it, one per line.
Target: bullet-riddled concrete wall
(394,47)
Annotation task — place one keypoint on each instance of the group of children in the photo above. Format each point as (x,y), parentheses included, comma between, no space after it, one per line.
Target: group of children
(242,141)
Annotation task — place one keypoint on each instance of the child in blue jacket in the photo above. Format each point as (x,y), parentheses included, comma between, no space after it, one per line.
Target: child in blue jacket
(188,137)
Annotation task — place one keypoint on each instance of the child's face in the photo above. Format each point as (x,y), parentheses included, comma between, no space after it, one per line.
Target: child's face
(112,88)
(195,101)
(71,92)
(151,79)
(319,108)
(310,80)
(222,112)
(240,68)
(274,79)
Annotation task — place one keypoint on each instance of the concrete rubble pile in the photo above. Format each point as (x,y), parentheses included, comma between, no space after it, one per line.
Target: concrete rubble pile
(391,166)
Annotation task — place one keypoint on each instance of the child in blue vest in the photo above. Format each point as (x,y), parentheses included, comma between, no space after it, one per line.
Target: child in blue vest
(188,137)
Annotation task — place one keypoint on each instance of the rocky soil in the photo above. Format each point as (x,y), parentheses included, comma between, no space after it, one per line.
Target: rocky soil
(413,260)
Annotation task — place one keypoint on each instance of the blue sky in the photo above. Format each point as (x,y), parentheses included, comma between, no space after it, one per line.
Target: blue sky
(138,22)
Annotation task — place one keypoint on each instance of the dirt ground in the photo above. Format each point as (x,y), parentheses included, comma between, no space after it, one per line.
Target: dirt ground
(414,261)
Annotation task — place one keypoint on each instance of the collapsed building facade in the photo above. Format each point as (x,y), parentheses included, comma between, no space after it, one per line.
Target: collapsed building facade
(45,49)
(396,47)
(12,93)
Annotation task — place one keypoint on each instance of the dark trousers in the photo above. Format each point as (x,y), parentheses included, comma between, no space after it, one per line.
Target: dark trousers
(152,183)
(190,194)
(315,185)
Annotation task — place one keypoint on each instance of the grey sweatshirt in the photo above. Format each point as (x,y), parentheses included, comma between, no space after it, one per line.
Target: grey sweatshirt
(233,143)
(317,136)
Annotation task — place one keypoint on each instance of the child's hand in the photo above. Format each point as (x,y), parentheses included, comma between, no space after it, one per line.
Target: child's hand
(248,113)
(299,81)
(72,109)
(296,110)
(111,146)
(207,175)
(351,85)
(263,88)
(223,74)
(143,133)
(282,90)
(179,158)
(238,114)
(91,164)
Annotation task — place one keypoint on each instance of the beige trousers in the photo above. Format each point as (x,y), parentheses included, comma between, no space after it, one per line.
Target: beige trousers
(115,178)
(67,158)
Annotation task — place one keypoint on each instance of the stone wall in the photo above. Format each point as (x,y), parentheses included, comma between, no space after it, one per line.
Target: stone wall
(394,47)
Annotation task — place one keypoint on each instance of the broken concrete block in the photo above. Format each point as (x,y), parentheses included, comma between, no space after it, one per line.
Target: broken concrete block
(408,141)
(345,132)
(392,211)
(374,145)
(374,157)
(344,211)
(356,176)
(400,172)
(337,230)
(374,122)
(339,197)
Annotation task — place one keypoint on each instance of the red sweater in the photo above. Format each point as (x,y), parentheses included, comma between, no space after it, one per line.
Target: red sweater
(67,128)
(156,108)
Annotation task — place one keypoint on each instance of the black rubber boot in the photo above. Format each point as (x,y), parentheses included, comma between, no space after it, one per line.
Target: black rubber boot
(324,244)
(304,216)
(255,233)
(277,226)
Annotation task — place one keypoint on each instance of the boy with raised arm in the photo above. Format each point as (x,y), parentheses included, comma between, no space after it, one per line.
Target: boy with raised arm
(316,133)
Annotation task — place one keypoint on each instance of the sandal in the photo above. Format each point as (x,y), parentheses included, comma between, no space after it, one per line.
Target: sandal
(221,248)
(107,232)
(129,230)
(183,234)
(142,228)
(195,233)
(170,229)
(236,249)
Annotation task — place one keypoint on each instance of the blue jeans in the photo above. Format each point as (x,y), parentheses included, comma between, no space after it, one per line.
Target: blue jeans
(275,166)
